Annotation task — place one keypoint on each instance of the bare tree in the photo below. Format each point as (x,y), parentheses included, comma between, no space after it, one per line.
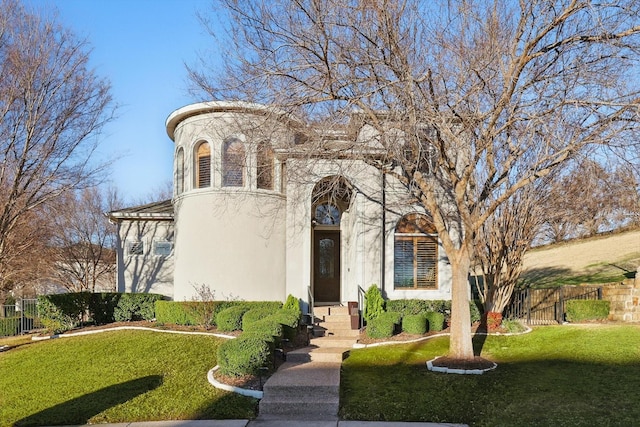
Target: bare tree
(468,101)
(501,244)
(589,199)
(85,240)
(52,107)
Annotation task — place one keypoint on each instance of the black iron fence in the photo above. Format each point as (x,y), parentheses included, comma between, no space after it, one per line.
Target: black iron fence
(19,318)
(546,306)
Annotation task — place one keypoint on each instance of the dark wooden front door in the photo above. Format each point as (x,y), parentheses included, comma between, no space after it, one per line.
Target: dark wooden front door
(326,265)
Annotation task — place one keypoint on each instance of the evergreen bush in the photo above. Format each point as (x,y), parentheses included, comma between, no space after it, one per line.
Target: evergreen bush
(133,307)
(230,319)
(254,315)
(175,312)
(414,324)
(244,355)
(581,310)
(385,325)
(373,303)
(435,321)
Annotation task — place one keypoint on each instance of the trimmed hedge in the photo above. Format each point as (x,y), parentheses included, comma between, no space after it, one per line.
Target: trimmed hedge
(383,326)
(132,307)
(244,355)
(61,312)
(414,324)
(435,321)
(255,315)
(175,312)
(230,319)
(580,310)
(419,306)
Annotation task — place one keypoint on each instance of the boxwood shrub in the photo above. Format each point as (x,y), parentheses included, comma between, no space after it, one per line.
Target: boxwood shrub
(175,312)
(254,315)
(435,321)
(244,355)
(414,324)
(383,326)
(230,319)
(418,306)
(133,307)
(580,310)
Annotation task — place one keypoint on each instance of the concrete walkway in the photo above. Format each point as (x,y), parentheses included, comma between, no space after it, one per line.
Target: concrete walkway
(280,423)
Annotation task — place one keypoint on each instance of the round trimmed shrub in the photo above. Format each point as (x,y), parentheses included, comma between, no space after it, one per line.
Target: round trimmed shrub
(267,327)
(230,319)
(383,326)
(254,315)
(435,320)
(243,356)
(414,324)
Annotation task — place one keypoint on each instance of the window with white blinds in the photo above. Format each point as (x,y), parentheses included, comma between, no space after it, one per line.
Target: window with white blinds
(415,255)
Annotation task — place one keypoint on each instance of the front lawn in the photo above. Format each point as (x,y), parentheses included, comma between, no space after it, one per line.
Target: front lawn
(116,376)
(560,376)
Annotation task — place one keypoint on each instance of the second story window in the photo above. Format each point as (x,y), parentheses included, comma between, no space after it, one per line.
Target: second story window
(264,169)
(233,161)
(203,165)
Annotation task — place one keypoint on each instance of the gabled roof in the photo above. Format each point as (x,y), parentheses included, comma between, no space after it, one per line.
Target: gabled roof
(162,210)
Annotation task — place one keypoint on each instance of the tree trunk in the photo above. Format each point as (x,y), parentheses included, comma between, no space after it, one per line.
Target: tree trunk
(461,345)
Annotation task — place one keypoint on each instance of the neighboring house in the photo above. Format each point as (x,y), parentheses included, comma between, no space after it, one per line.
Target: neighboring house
(255,216)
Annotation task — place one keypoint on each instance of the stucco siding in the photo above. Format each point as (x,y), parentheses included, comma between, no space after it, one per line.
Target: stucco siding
(231,241)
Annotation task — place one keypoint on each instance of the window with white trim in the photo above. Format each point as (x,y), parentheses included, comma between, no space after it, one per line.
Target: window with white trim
(415,253)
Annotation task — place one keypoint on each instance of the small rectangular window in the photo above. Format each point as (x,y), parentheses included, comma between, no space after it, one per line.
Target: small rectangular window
(162,248)
(135,248)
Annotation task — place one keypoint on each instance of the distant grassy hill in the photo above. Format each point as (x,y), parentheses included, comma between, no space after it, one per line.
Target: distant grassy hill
(600,259)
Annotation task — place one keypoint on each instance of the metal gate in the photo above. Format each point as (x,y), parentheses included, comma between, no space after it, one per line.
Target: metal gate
(546,306)
(19,318)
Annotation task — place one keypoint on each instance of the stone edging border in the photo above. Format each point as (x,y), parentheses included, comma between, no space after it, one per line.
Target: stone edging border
(242,391)
(458,371)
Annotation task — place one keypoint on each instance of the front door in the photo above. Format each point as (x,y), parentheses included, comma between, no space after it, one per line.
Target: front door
(326,265)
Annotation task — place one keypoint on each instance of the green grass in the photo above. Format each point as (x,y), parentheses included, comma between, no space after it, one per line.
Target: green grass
(560,376)
(117,376)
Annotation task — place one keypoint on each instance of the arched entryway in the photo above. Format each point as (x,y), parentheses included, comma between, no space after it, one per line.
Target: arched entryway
(330,199)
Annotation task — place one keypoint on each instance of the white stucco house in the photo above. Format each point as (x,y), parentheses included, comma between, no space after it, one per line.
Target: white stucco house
(255,215)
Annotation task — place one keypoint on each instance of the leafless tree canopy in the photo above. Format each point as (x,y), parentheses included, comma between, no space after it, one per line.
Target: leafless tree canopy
(52,106)
(84,241)
(471,100)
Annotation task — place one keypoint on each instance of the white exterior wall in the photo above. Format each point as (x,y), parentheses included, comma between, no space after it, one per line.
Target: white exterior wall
(147,272)
(231,239)
(232,242)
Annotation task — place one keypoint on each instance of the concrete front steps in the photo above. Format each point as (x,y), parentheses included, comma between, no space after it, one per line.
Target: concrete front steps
(307,385)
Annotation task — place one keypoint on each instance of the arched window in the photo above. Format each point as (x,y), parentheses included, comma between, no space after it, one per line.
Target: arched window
(233,158)
(415,253)
(203,165)
(180,171)
(327,214)
(264,168)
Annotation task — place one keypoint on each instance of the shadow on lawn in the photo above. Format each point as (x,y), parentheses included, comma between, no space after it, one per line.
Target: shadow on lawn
(81,409)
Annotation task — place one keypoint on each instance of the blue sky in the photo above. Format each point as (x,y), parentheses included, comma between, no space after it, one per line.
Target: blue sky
(141,47)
